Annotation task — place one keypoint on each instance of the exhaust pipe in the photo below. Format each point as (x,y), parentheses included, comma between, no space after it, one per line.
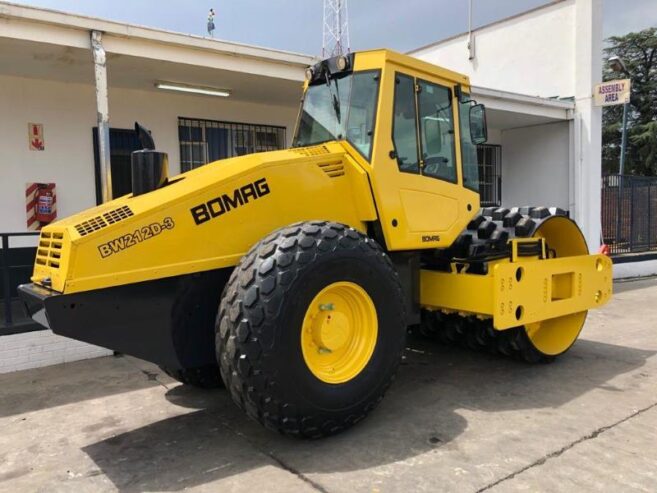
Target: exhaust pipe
(150,168)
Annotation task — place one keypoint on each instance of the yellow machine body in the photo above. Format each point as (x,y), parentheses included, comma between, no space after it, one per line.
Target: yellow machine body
(524,292)
(239,201)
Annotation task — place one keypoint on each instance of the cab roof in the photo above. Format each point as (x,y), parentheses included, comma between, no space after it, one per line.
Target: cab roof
(417,65)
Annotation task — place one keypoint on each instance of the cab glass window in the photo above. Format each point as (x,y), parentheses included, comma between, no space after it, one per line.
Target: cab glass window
(404,128)
(360,121)
(437,131)
(340,107)
(468,149)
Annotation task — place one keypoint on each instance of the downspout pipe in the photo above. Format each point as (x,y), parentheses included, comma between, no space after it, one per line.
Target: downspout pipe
(471,41)
(102,112)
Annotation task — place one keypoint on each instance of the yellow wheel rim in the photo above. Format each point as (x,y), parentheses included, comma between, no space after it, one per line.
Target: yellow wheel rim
(339,332)
(554,336)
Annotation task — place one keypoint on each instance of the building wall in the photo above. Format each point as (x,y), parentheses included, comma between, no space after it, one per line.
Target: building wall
(68,114)
(535,167)
(587,127)
(494,136)
(43,348)
(530,54)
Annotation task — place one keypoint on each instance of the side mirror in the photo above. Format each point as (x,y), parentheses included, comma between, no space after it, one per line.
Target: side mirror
(432,136)
(478,128)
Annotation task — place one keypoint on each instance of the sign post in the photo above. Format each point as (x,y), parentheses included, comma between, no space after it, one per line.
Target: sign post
(612,93)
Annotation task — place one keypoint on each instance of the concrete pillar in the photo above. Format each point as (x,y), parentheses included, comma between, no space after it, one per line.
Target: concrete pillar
(587,126)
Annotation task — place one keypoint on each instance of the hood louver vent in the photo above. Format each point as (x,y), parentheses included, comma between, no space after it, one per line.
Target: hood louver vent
(333,169)
(49,251)
(312,151)
(118,214)
(104,220)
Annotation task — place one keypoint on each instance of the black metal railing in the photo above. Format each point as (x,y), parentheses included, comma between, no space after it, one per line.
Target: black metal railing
(629,213)
(16,268)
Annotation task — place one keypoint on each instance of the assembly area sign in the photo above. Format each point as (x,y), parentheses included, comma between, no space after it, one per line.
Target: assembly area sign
(612,92)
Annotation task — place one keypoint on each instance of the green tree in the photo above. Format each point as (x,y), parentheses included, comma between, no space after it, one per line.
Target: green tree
(639,52)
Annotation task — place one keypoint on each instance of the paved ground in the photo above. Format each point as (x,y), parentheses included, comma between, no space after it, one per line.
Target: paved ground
(453,421)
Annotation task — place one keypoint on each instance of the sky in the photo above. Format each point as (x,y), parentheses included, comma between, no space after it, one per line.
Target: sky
(296,25)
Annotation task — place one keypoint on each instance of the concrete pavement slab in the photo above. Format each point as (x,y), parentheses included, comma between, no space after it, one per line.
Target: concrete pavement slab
(454,420)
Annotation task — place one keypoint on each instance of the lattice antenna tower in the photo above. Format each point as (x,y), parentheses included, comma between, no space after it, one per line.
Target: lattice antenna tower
(336,29)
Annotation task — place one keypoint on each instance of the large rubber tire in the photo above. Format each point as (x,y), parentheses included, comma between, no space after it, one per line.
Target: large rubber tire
(260,319)
(206,377)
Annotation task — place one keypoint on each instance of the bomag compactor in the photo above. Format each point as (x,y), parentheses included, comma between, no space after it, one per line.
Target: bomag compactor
(292,276)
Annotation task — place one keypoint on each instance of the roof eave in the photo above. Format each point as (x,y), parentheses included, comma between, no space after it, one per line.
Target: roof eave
(114,28)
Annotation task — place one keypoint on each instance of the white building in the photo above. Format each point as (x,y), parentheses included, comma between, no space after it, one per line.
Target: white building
(552,53)
(535,73)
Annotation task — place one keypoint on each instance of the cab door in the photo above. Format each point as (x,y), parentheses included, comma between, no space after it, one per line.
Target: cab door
(417,179)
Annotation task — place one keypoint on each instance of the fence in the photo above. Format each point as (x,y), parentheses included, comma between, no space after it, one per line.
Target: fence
(629,213)
(16,267)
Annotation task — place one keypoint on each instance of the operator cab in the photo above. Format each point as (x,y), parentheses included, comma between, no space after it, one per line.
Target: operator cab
(415,130)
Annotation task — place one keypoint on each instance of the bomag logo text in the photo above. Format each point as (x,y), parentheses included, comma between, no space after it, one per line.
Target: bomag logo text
(430,238)
(229,201)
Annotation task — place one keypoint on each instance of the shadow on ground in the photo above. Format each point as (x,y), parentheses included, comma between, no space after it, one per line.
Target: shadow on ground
(53,386)
(421,412)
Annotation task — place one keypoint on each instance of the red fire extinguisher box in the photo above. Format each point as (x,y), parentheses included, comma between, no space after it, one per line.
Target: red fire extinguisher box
(40,205)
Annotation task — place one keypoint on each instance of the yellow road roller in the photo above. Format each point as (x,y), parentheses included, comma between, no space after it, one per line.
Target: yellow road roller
(291,277)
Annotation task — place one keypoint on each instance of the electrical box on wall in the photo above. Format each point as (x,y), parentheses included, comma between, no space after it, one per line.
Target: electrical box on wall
(40,205)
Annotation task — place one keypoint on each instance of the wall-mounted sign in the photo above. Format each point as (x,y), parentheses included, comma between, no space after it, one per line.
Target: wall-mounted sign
(612,92)
(35,136)
(40,205)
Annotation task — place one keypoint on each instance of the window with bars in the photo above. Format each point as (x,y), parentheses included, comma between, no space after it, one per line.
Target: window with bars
(489,158)
(205,141)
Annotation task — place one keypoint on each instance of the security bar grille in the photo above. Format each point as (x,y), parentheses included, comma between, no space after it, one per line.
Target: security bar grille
(205,141)
(489,158)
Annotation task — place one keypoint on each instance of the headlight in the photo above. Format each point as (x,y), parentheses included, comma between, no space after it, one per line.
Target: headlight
(342,63)
(309,74)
